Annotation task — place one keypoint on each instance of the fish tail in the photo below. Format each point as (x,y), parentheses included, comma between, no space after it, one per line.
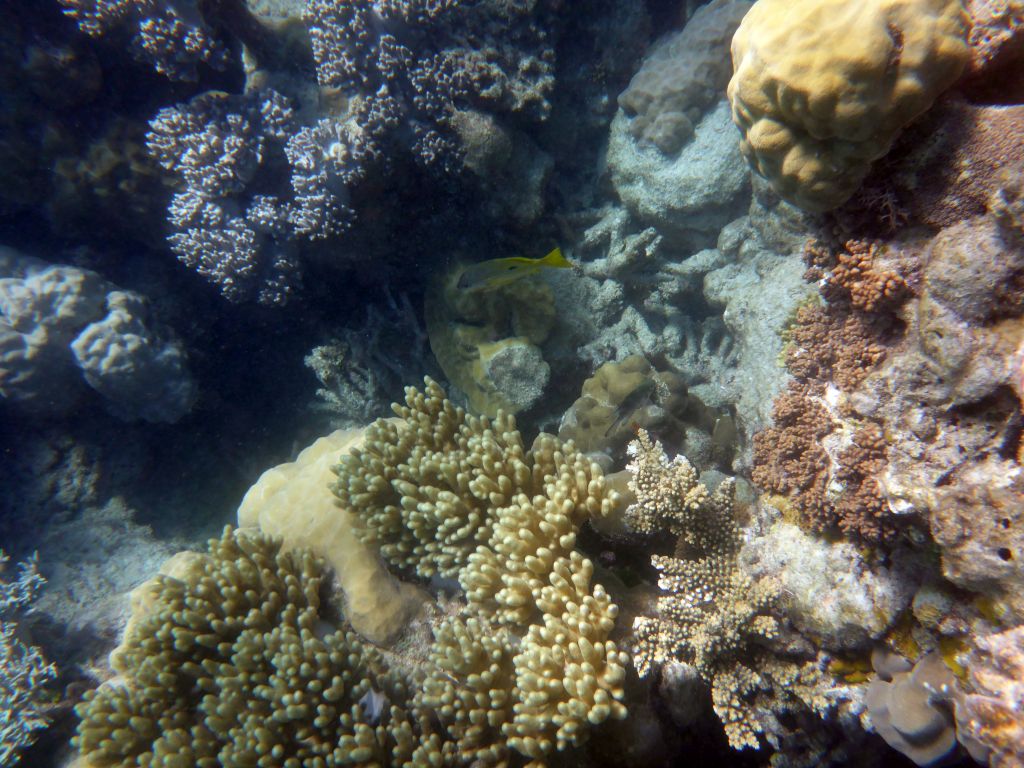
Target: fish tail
(556,259)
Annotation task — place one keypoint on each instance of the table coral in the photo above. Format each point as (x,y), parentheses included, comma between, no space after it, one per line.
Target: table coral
(822,87)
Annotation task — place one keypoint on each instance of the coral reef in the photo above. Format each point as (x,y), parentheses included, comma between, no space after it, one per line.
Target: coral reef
(24,673)
(60,325)
(682,77)
(488,342)
(992,714)
(224,229)
(444,494)
(711,615)
(906,706)
(173,36)
(689,196)
(228,657)
(291,503)
(854,74)
(621,397)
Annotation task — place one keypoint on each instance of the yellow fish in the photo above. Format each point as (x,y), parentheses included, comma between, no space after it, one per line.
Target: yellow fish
(496,273)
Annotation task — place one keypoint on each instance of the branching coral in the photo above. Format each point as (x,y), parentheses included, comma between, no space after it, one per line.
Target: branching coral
(231,661)
(232,235)
(172,35)
(711,614)
(24,673)
(428,58)
(446,494)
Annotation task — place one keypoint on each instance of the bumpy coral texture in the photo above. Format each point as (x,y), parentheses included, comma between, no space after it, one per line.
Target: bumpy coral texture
(172,36)
(683,77)
(822,87)
(711,614)
(444,493)
(993,715)
(427,58)
(832,483)
(231,234)
(233,663)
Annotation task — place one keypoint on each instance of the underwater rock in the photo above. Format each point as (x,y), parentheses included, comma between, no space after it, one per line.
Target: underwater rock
(139,369)
(511,169)
(689,197)
(293,503)
(685,73)
(993,715)
(834,596)
(480,339)
(56,317)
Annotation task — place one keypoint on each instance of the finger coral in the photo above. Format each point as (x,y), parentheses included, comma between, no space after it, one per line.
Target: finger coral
(443,493)
(230,661)
(822,87)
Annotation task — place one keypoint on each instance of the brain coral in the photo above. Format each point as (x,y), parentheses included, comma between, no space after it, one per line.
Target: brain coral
(822,88)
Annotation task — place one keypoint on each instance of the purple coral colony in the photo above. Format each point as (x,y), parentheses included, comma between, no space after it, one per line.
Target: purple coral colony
(733,476)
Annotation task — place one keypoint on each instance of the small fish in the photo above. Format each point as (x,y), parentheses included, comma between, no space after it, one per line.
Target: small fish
(373,704)
(639,397)
(496,273)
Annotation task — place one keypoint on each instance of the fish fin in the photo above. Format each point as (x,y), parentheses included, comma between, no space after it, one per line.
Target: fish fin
(556,259)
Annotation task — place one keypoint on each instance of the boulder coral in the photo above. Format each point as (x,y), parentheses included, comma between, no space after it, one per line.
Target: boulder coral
(822,88)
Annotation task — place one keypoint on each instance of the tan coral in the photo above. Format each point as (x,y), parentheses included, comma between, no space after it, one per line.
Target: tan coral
(292,502)
(822,87)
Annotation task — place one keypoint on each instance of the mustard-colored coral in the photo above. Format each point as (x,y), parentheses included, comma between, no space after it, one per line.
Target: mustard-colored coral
(528,665)
(230,662)
(821,88)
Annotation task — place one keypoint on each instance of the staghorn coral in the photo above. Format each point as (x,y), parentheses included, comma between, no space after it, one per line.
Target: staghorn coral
(711,615)
(822,87)
(229,660)
(24,673)
(447,494)
(171,34)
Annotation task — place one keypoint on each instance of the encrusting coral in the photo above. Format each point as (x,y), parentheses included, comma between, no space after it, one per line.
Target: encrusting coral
(822,87)
(711,615)
(445,494)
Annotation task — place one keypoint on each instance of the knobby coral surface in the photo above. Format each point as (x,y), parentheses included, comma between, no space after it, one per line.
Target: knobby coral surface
(445,494)
(711,615)
(822,87)
(231,661)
